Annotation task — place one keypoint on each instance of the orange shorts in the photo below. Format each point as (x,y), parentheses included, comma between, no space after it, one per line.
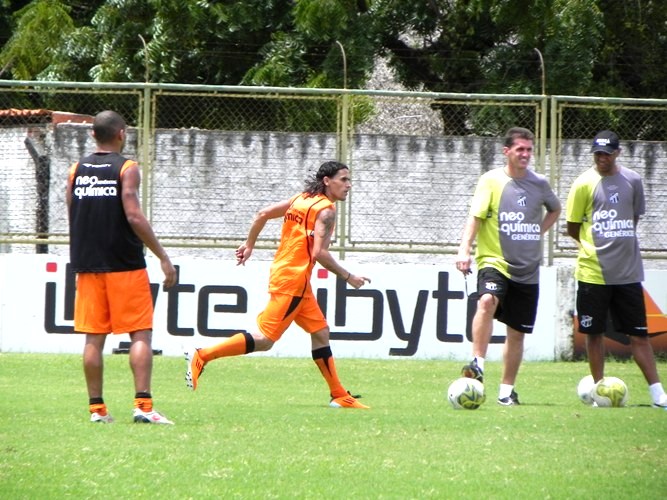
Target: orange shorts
(119,302)
(282,310)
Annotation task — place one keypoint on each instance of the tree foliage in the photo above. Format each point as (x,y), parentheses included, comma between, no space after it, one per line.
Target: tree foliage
(34,29)
(589,47)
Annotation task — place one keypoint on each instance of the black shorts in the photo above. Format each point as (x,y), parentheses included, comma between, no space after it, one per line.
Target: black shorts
(625,303)
(517,302)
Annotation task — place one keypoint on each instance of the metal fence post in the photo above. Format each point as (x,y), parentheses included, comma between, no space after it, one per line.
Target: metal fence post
(553,169)
(144,149)
(343,155)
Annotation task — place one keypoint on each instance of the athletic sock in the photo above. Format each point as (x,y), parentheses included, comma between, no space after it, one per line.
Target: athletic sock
(96,405)
(505,391)
(236,345)
(143,401)
(480,362)
(324,360)
(656,391)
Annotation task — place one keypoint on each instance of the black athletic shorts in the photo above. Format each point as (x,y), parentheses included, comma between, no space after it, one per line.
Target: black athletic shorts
(517,302)
(624,302)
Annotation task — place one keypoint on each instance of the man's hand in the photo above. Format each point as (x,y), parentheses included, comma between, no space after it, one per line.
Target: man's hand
(357,281)
(243,253)
(169,272)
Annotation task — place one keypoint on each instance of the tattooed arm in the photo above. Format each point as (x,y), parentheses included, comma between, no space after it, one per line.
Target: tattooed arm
(324,226)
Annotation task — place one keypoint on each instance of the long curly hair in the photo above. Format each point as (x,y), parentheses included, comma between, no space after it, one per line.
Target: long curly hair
(315,184)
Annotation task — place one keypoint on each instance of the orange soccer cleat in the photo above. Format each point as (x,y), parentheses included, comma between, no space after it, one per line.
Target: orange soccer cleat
(347,401)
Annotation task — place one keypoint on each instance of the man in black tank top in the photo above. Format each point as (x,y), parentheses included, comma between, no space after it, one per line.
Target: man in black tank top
(108,231)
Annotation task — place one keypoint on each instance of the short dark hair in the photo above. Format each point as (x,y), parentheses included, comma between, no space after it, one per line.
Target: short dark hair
(315,185)
(106,125)
(517,133)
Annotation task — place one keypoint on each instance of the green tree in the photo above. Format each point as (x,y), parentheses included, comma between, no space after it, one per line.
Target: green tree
(7,11)
(41,28)
(490,46)
(631,62)
(185,41)
(329,44)
(589,47)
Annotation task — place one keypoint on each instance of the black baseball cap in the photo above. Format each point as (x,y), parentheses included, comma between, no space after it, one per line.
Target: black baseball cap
(605,142)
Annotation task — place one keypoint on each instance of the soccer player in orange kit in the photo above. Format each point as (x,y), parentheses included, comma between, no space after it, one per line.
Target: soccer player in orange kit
(309,219)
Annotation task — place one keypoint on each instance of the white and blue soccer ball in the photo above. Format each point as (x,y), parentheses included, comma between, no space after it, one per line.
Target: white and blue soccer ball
(466,394)
(585,389)
(610,392)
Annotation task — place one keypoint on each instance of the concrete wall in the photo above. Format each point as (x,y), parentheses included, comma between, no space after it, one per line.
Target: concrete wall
(208,184)
(405,188)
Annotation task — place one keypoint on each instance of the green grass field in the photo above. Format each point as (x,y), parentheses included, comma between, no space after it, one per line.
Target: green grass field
(261,428)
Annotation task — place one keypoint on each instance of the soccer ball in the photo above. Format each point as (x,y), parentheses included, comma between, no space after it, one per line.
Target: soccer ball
(466,393)
(610,392)
(585,388)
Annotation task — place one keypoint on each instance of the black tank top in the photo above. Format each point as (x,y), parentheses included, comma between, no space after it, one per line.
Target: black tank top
(101,239)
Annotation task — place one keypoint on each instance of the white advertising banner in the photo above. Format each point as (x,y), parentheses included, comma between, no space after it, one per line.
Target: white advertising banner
(408,310)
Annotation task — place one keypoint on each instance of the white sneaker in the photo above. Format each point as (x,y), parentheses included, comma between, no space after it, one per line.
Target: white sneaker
(661,402)
(105,419)
(150,417)
(195,367)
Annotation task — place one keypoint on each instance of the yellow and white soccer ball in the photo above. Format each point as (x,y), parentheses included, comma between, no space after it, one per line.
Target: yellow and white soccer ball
(585,389)
(466,394)
(610,392)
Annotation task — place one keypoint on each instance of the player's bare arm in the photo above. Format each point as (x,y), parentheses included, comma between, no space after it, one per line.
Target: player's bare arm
(274,211)
(68,195)
(549,220)
(464,259)
(573,229)
(140,225)
(324,226)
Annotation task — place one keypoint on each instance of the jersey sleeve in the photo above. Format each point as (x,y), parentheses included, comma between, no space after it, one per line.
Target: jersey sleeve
(72,170)
(639,202)
(577,199)
(551,201)
(481,199)
(128,164)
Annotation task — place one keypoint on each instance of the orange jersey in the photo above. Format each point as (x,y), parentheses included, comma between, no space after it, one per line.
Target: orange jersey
(293,262)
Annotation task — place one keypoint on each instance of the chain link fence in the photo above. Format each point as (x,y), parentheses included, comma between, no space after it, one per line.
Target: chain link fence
(212,156)
(642,127)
